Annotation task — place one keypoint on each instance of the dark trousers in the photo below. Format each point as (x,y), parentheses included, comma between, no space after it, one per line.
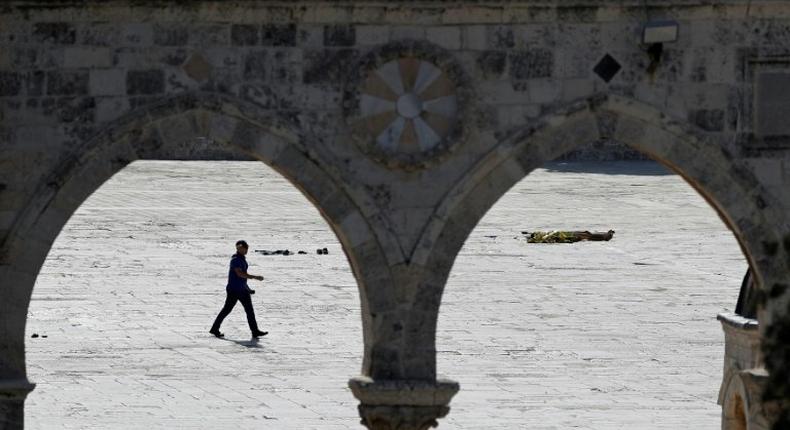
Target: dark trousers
(230,302)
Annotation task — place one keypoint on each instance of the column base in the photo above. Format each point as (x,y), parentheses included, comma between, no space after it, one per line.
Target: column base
(12,403)
(401,417)
(402,404)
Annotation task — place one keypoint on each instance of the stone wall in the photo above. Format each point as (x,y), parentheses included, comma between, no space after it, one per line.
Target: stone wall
(403,122)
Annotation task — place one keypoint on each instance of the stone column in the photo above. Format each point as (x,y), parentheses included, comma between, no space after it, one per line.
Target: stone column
(402,404)
(745,377)
(12,403)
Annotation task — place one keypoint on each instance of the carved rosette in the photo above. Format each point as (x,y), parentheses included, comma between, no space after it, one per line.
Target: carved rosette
(406,106)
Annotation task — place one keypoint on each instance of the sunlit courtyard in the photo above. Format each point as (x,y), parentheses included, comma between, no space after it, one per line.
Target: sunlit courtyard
(592,335)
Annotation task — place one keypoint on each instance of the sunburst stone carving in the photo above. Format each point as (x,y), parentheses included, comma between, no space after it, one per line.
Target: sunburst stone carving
(407,106)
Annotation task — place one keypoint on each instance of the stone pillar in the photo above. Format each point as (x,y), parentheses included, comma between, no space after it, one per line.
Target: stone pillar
(402,404)
(12,403)
(745,377)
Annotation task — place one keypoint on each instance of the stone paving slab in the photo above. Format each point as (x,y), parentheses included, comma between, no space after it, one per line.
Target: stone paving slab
(603,335)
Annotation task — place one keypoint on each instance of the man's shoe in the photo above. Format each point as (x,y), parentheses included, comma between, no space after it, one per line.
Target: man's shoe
(259,333)
(217,333)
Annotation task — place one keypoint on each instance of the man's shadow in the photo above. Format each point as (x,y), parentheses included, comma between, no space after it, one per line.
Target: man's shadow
(252,343)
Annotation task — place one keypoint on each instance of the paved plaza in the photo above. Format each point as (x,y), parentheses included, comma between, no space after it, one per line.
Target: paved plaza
(598,335)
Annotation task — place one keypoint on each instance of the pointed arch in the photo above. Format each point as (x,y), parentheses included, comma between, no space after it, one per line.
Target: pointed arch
(701,159)
(183,128)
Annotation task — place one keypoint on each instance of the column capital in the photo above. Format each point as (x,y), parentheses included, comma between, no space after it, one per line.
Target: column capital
(12,402)
(15,388)
(402,404)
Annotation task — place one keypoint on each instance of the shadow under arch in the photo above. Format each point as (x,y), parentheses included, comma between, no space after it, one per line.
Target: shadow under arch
(172,129)
(720,178)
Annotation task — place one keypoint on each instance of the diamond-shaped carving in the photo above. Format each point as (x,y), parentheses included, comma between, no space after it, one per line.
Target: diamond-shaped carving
(607,68)
(197,68)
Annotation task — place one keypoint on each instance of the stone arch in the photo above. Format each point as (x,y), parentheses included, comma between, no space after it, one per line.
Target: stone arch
(704,162)
(169,129)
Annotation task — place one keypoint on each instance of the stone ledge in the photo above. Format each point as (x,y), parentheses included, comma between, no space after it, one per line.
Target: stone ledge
(402,392)
(737,321)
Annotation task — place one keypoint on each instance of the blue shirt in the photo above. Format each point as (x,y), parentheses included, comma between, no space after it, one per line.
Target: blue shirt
(236,282)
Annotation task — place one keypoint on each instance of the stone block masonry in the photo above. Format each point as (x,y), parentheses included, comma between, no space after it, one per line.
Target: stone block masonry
(411,118)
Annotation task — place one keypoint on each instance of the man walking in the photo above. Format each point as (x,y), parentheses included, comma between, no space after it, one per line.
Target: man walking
(238,290)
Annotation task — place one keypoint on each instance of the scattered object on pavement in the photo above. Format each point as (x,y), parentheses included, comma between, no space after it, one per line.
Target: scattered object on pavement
(35,335)
(277,252)
(319,251)
(556,236)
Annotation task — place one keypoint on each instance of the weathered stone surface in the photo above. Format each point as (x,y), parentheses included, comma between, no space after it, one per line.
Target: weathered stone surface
(256,65)
(372,34)
(534,63)
(492,63)
(328,67)
(205,35)
(143,82)
(110,108)
(170,34)
(136,34)
(708,119)
(55,32)
(10,84)
(771,104)
(35,83)
(340,35)
(453,96)
(501,37)
(81,57)
(446,37)
(67,83)
(99,34)
(278,35)
(244,34)
(107,82)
